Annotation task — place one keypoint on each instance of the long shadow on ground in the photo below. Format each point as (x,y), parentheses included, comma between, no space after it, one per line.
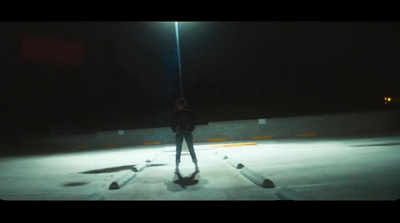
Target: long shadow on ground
(186,181)
(117,168)
(108,170)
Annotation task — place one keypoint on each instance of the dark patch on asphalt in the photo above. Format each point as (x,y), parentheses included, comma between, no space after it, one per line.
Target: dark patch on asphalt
(74,184)
(380,144)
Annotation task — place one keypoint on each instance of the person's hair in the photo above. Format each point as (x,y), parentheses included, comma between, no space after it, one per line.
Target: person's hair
(181,101)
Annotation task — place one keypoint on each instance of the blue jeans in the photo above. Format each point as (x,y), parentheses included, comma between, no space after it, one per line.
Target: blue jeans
(189,140)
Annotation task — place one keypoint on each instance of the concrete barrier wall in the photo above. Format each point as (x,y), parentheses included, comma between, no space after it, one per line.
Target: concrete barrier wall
(322,125)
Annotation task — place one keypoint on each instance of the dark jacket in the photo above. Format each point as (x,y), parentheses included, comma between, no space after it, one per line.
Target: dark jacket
(183,121)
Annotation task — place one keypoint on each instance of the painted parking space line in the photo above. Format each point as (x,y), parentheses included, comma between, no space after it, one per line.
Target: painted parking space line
(234,144)
(152,143)
(263,137)
(110,145)
(217,140)
(307,134)
(81,147)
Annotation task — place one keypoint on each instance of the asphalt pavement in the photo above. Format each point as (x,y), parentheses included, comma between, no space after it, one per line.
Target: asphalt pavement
(310,168)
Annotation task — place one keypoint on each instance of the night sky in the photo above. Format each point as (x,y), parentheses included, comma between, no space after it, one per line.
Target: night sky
(123,75)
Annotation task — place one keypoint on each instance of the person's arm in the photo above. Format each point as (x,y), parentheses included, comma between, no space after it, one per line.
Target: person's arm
(192,123)
(174,123)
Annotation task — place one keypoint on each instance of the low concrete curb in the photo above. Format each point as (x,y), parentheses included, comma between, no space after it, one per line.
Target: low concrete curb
(285,193)
(235,164)
(139,167)
(95,197)
(257,178)
(149,161)
(223,156)
(122,181)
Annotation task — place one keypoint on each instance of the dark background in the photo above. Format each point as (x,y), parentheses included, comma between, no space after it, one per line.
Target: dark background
(128,77)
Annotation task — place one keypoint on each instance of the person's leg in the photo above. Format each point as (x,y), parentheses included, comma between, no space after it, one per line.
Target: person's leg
(178,140)
(189,141)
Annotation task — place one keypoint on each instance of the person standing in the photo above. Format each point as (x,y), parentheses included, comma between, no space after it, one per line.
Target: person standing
(183,125)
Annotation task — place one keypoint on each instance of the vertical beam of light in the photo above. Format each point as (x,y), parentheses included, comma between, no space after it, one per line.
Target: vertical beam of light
(179,56)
